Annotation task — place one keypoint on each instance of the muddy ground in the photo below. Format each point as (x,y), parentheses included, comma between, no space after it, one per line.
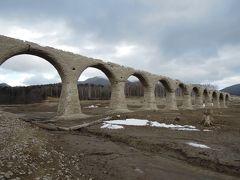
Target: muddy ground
(29,152)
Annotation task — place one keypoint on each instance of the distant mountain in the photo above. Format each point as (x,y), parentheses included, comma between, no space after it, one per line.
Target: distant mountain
(95,80)
(4,85)
(233,90)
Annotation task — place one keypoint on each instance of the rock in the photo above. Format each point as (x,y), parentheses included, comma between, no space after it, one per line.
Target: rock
(8,174)
(177,118)
(16,178)
(139,170)
(207,118)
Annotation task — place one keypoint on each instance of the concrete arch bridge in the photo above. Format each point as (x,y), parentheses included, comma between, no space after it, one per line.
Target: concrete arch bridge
(70,66)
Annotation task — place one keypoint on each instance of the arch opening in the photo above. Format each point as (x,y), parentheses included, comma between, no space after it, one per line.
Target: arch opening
(180,91)
(134,91)
(161,89)
(214,97)
(205,97)
(94,89)
(36,53)
(221,99)
(30,79)
(194,94)
(227,100)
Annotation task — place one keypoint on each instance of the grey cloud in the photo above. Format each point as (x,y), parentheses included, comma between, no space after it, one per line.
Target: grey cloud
(39,79)
(175,38)
(28,64)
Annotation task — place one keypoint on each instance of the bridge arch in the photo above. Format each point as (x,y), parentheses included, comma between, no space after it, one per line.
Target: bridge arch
(181,91)
(196,90)
(227,99)
(196,97)
(140,87)
(35,52)
(139,76)
(104,69)
(49,57)
(166,84)
(206,100)
(215,99)
(221,100)
(165,93)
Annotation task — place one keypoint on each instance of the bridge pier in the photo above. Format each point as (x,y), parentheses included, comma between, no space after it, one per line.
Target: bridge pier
(215,100)
(208,102)
(199,101)
(187,101)
(149,99)
(216,104)
(69,104)
(223,104)
(118,100)
(171,102)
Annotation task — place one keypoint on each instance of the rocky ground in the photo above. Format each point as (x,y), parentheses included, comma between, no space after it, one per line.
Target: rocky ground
(29,152)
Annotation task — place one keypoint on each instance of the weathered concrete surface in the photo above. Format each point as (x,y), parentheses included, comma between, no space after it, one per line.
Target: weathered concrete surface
(70,66)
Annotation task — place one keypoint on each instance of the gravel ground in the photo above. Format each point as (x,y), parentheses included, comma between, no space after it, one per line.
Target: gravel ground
(26,153)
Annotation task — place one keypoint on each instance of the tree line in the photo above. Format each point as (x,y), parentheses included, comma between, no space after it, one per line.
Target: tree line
(39,93)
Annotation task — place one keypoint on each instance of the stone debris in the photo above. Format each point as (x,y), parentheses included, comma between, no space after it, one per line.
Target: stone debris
(26,153)
(207,119)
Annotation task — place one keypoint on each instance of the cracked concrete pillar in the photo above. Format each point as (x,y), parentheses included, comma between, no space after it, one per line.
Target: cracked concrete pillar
(199,101)
(222,104)
(149,98)
(171,102)
(227,101)
(187,101)
(69,100)
(215,100)
(118,99)
(208,102)
(216,103)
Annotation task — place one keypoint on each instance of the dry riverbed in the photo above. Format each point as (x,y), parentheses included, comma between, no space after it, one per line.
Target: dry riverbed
(131,152)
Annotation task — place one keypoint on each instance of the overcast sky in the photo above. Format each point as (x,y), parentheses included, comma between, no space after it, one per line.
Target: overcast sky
(196,41)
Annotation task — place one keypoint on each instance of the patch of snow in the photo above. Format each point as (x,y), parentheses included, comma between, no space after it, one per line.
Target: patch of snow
(118,116)
(204,105)
(144,122)
(186,129)
(90,107)
(129,122)
(111,126)
(207,130)
(198,145)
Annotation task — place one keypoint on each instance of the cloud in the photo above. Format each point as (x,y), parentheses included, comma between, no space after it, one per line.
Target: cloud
(91,72)
(41,79)
(25,70)
(194,41)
